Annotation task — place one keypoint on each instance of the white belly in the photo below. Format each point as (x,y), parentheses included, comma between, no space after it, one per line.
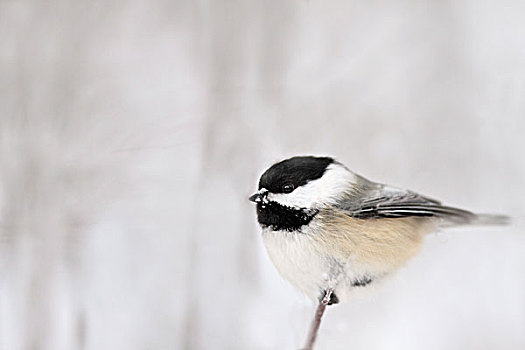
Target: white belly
(295,257)
(313,260)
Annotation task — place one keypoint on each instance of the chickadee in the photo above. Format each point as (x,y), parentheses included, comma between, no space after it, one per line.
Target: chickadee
(327,228)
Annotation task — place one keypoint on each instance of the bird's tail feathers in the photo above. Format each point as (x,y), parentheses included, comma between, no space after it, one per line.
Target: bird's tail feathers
(475,220)
(490,219)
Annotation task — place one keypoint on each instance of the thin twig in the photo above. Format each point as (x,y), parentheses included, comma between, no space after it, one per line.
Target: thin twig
(316,322)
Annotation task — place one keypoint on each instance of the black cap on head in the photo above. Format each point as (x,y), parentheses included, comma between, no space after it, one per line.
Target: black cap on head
(296,171)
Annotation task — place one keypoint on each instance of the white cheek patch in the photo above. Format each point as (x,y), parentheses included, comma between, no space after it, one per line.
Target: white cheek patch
(325,190)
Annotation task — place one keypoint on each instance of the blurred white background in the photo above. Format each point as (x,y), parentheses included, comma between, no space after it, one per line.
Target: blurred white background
(131,134)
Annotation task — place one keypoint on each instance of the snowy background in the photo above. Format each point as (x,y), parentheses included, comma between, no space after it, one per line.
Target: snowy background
(131,134)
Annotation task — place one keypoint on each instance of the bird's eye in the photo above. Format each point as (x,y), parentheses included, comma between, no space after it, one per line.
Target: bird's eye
(288,188)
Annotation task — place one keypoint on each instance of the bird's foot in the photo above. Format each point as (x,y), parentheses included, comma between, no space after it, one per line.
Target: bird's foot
(361,282)
(328,297)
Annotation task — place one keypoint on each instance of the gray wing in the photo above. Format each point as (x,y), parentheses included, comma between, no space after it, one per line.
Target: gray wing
(373,200)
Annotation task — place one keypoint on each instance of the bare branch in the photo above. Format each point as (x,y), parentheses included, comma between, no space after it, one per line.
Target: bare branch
(316,322)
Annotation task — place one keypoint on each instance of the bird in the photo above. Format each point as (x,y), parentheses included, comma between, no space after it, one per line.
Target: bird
(330,231)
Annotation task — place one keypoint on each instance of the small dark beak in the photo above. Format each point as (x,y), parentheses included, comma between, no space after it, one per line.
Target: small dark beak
(259,196)
(256,198)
